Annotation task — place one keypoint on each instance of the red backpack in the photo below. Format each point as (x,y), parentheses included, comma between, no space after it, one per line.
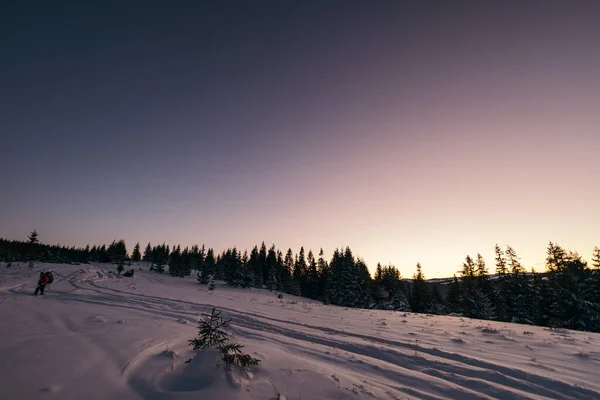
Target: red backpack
(49,277)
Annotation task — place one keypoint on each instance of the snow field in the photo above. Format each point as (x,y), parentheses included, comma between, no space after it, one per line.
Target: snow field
(96,336)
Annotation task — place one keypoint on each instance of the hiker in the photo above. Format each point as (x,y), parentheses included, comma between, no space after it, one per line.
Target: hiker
(42,282)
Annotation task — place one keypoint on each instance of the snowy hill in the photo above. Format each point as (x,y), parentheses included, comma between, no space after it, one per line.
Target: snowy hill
(98,336)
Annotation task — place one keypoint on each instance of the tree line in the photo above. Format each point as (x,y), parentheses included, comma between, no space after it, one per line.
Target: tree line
(566,295)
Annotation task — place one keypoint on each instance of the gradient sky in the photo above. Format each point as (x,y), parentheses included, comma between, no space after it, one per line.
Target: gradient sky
(409,131)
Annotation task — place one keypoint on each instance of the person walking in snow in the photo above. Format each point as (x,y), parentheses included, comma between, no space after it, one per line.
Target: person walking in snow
(42,282)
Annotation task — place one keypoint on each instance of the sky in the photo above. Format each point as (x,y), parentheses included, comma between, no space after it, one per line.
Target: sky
(409,131)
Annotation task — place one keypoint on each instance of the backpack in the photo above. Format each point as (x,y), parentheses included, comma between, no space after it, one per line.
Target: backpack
(50,277)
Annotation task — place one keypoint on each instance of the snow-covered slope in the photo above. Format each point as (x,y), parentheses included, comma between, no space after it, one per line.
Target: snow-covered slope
(97,336)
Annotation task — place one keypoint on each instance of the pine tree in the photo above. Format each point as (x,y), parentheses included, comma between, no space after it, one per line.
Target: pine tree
(542,300)
(295,288)
(208,267)
(379,272)
(201,260)
(256,267)
(519,289)
(159,258)
(274,282)
(103,256)
(245,275)
(453,299)
(336,283)
(33,241)
(302,272)
(213,332)
(136,255)
(572,303)
(194,259)
(484,284)
(596,258)
(312,277)
(474,303)
(350,280)
(363,284)
(555,259)
(118,254)
(147,253)
(324,276)
(33,237)
(438,306)
(502,297)
(288,268)
(262,259)
(420,298)
(175,262)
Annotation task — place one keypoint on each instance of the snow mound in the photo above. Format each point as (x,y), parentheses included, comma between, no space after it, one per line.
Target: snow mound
(206,376)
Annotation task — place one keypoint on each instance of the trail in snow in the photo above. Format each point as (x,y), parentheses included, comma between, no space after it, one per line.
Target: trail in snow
(98,335)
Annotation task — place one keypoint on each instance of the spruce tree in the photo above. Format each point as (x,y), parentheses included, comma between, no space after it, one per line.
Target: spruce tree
(519,288)
(33,237)
(201,259)
(502,296)
(159,258)
(256,266)
(453,299)
(572,303)
(262,259)
(118,253)
(33,241)
(335,283)
(136,255)
(176,262)
(295,288)
(542,300)
(474,304)
(302,272)
(312,277)
(147,253)
(596,258)
(245,275)
(287,270)
(420,297)
(484,286)
(194,259)
(208,267)
(379,272)
(274,280)
(324,276)
(284,275)
(438,305)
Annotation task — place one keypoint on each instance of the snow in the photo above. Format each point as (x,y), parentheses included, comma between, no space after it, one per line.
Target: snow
(95,335)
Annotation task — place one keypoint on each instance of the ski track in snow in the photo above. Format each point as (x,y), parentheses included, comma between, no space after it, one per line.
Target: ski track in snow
(113,337)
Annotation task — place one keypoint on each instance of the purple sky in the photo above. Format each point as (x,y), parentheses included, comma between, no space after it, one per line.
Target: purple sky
(416,132)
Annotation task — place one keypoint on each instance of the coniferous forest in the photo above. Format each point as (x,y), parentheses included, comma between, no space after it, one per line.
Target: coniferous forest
(565,295)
